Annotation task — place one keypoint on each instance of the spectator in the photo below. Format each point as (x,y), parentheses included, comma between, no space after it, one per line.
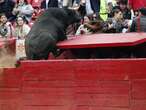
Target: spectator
(6,6)
(110,8)
(123,7)
(76,2)
(60,3)
(115,24)
(82,8)
(22,8)
(82,29)
(35,3)
(6,29)
(103,10)
(37,12)
(113,2)
(95,5)
(139,23)
(90,26)
(45,4)
(67,3)
(89,10)
(117,5)
(21,29)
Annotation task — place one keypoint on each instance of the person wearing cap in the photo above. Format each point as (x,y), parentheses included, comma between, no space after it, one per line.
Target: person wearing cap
(139,23)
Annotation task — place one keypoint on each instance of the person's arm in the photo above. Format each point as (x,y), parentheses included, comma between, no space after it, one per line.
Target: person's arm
(133,27)
(90,26)
(28,10)
(9,28)
(15,11)
(26,30)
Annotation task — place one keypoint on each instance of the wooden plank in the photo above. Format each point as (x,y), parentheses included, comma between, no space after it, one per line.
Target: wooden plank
(72,108)
(47,107)
(103,100)
(9,95)
(11,104)
(113,87)
(79,69)
(139,89)
(103,40)
(105,87)
(138,105)
(48,99)
(100,100)
(10,78)
(100,108)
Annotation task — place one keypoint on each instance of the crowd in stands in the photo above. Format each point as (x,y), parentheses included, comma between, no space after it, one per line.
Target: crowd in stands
(99,16)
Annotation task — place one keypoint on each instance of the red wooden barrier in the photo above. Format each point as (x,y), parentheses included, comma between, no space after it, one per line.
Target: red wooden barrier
(74,85)
(103,40)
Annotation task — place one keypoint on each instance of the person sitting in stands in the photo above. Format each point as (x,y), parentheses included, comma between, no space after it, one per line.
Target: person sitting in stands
(139,23)
(23,8)
(6,6)
(125,10)
(21,28)
(115,24)
(82,29)
(90,26)
(6,28)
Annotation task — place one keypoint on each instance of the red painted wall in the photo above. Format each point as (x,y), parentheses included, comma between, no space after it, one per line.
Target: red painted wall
(74,85)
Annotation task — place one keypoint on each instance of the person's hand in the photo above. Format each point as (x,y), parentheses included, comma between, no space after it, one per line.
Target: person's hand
(16,11)
(125,23)
(110,26)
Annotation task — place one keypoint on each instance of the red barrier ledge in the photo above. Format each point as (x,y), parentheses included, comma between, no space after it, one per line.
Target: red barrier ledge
(103,40)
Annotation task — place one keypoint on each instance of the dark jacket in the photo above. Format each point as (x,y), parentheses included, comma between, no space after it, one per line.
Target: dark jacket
(126,12)
(52,3)
(95,5)
(139,24)
(7,8)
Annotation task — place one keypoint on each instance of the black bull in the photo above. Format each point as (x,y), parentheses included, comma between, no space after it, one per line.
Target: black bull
(48,29)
